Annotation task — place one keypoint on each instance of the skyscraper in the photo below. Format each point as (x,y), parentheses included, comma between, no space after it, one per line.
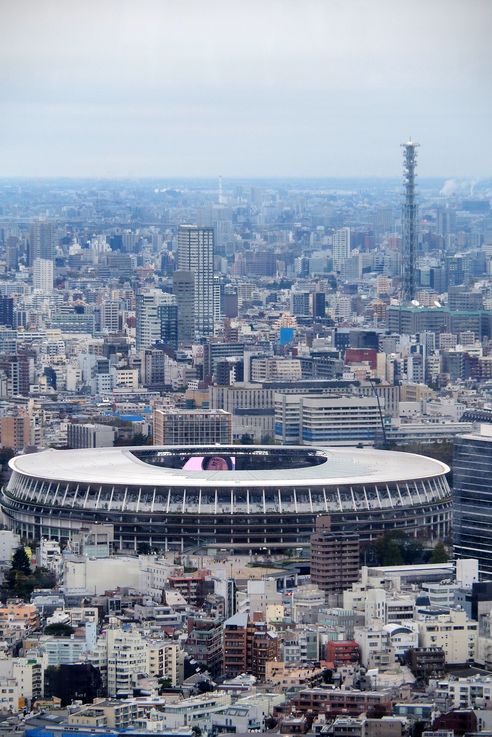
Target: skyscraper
(42,275)
(184,294)
(7,311)
(110,315)
(168,316)
(196,254)
(472,507)
(41,241)
(341,247)
(148,319)
(409,221)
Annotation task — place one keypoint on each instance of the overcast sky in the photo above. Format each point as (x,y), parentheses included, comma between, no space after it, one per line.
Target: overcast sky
(244,87)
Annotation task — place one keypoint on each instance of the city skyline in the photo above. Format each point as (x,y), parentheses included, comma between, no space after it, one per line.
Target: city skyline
(263,89)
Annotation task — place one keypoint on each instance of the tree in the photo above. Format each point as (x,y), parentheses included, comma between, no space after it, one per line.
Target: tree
(392,554)
(5,455)
(246,439)
(327,675)
(21,581)
(411,550)
(393,548)
(21,562)
(59,629)
(439,554)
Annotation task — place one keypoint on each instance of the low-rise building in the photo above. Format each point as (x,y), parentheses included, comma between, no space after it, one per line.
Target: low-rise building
(452,631)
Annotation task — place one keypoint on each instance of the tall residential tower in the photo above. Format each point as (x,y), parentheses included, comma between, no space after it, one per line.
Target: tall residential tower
(341,247)
(196,254)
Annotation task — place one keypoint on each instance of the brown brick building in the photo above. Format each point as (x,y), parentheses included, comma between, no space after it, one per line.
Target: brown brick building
(248,646)
(335,702)
(334,559)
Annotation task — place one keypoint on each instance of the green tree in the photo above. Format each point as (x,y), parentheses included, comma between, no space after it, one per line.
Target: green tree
(18,583)
(164,683)
(411,550)
(43,579)
(246,439)
(392,554)
(439,554)
(59,629)
(21,562)
(21,581)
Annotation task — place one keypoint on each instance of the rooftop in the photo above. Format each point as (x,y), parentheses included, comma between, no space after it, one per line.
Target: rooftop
(246,466)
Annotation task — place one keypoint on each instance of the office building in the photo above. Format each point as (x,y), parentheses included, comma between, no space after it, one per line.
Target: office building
(219,290)
(300,304)
(213,353)
(110,316)
(326,420)
(174,426)
(153,369)
(148,319)
(168,317)
(7,311)
(319,304)
(472,506)
(90,435)
(196,254)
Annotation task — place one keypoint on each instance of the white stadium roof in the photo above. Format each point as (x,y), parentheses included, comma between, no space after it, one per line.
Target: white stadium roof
(120,466)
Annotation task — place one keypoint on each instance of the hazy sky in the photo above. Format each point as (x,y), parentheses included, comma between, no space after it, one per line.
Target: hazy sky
(244,87)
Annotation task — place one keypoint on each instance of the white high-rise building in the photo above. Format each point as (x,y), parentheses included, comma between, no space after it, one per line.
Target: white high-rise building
(127,658)
(148,321)
(196,254)
(341,247)
(218,299)
(42,275)
(110,315)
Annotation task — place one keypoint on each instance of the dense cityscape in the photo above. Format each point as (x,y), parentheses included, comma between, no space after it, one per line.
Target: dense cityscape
(245,368)
(229,410)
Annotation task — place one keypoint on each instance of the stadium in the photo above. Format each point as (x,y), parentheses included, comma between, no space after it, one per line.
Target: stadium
(242,498)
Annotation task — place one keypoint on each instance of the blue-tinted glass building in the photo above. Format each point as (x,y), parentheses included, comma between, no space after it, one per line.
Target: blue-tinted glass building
(472,498)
